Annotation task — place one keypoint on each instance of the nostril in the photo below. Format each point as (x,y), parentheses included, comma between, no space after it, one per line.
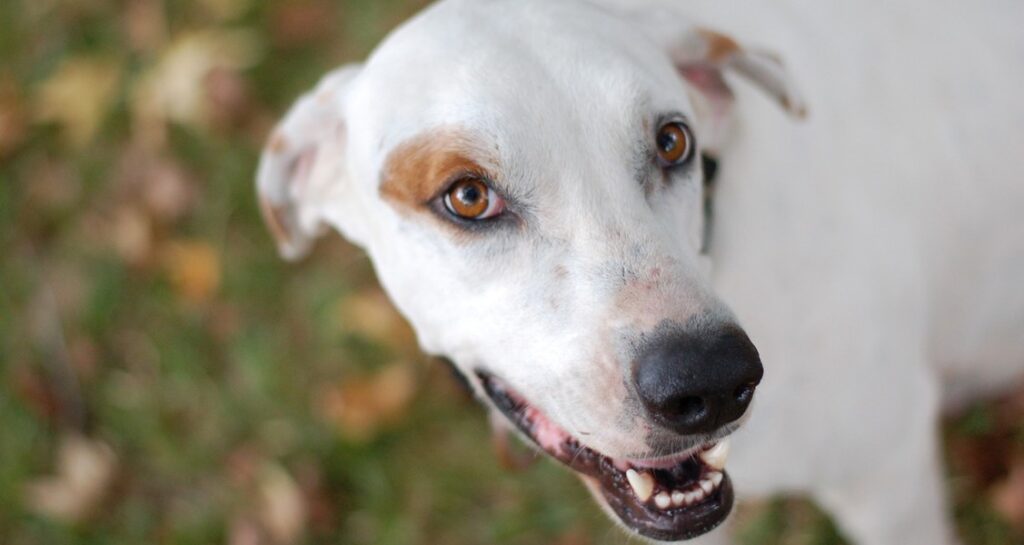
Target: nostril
(690,408)
(744,393)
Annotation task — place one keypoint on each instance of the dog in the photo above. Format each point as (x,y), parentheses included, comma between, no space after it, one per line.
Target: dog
(532,181)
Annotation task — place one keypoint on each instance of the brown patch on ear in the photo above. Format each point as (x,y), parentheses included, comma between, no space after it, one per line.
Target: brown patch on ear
(719,46)
(418,168)
(278,143)
(273,216)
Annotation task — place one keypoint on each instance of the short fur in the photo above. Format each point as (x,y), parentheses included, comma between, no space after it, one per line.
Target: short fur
(873,252)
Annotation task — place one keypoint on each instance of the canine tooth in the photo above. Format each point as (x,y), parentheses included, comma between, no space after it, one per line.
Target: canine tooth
(706,486)
(716,455)
(716,478)
(662,500)
(678,498)
(642,483)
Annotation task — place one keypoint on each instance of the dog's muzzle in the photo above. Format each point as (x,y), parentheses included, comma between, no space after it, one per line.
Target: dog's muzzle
(670,498)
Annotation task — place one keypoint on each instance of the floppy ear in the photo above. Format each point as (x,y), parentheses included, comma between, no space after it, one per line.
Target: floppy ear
(287,195)
(702,56)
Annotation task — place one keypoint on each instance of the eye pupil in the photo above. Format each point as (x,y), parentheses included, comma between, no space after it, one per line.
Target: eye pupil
(469,194)
(667,141)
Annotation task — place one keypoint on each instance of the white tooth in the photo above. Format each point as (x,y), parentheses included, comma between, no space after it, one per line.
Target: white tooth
(716,455)
(678,498)
(706,486)
(662,500)
(642,483)
(716,478)
(693,497)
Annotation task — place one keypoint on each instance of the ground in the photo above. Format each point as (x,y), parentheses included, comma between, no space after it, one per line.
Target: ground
(165,378)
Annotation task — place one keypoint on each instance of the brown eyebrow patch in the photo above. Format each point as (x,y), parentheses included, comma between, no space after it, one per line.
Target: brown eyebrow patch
(418,168)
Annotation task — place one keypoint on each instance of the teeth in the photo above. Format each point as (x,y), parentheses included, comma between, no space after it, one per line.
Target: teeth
(662,500)
(642,483)
(716,455)
(678,498)
(716,478)
(706,486)
(694,497)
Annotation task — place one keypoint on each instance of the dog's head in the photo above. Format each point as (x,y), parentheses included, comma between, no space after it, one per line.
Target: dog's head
(526,178)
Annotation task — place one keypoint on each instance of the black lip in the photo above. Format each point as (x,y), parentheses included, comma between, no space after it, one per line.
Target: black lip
(675,524)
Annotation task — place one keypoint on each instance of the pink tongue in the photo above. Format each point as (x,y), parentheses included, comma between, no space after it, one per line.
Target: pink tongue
(548,435)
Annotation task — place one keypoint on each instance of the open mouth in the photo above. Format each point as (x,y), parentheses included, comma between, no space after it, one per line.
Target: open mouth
(668,499)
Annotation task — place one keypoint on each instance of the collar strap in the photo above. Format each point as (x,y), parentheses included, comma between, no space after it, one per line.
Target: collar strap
(710,167)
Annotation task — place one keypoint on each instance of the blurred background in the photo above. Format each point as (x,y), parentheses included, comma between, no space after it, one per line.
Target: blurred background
(165,378)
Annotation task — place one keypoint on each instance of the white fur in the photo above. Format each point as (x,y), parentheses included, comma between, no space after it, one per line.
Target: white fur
(874,252)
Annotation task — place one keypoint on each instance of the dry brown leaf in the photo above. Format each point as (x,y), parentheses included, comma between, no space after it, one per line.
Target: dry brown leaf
(132,235)
(227,95)
(84,473)
(78,97)
(245,531)
(145,24)
(13,125)
(167,191)
(369,313)
(302,22)
(194,270)
(361,406)
(1008,496)
(282,506)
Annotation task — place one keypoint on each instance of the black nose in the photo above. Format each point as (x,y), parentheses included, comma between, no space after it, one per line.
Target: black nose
(695,382)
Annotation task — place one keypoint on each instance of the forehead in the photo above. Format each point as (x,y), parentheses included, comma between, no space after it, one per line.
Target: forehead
(524,73)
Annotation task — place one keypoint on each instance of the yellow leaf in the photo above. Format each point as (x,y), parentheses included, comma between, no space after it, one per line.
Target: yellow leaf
(85,470)
(78,97)
(282,506)
(361,406)
(174,89)
(194,270)
(369,313)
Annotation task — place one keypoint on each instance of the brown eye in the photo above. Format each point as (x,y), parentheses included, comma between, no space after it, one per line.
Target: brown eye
(674,143)
(473,199)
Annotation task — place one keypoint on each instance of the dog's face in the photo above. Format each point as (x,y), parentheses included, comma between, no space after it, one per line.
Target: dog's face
(526,178)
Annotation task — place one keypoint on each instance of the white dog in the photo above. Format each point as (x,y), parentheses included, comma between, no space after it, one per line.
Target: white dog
(526,177)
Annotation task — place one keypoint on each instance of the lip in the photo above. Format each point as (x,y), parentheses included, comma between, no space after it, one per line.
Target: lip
(668,499)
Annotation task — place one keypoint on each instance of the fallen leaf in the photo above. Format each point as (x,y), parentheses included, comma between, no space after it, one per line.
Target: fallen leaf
(227,94)
(145,24)
(167,191)
(361,406)
(282,506)
(132,235)
(302,22)
(13,125)
(175,88)
(369,313)
(194,270)
(84,473)
(1007,496)
(78,96)
(246,531)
